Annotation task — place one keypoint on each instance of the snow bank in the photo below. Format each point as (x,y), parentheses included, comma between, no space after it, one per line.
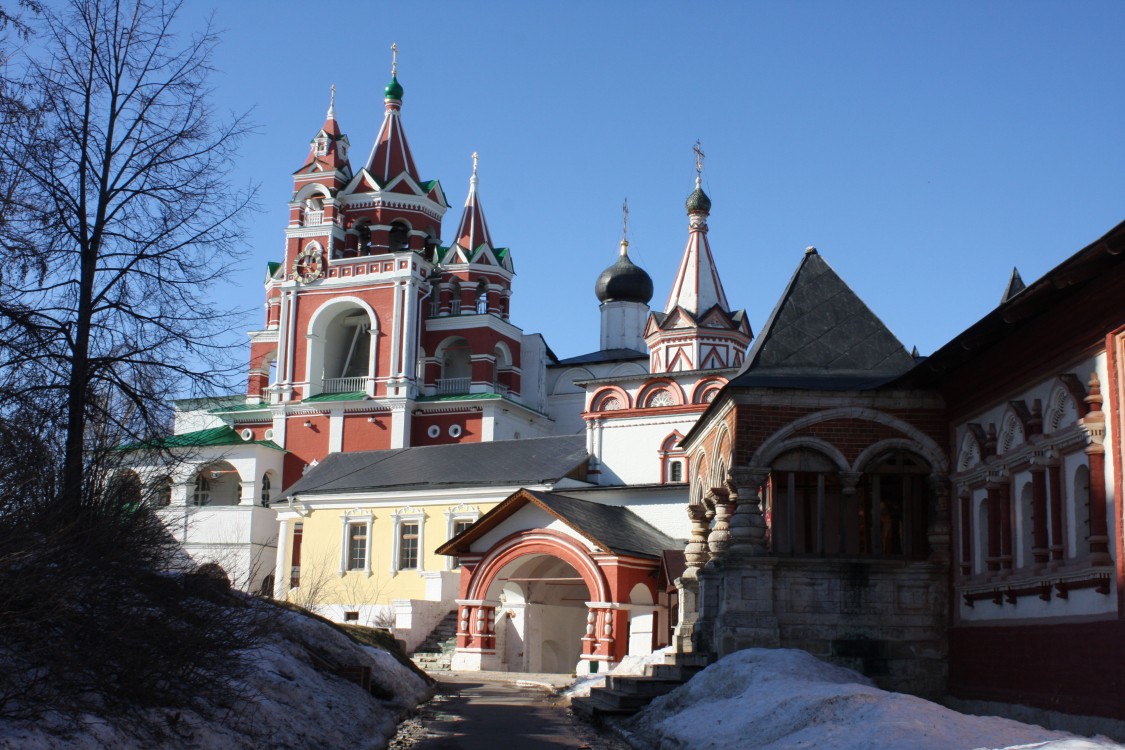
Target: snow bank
(289,699)
(769,699)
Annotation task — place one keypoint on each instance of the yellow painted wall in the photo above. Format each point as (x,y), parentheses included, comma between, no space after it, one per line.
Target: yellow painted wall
(321,582)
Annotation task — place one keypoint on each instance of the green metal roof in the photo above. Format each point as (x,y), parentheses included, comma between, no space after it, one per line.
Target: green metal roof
(240,407)
(271,269)
(213,437)
(349,396)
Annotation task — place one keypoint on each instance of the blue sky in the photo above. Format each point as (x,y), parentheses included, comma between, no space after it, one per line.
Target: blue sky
(924,148)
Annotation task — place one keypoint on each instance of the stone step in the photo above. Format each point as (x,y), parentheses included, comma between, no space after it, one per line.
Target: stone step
(672,671)
(593,708)
(646,686)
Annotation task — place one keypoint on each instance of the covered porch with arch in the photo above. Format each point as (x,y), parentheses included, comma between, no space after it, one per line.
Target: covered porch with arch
(550,583)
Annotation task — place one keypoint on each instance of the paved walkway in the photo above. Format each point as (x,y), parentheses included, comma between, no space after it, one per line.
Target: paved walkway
(490,710)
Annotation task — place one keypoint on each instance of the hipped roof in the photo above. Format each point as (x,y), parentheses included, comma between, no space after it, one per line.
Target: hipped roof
(822,336)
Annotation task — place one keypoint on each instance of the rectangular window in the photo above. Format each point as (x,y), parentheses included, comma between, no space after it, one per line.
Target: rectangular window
(295,562)
(408,545)
(351,617)
(677,472)
(357,546)
(459,526)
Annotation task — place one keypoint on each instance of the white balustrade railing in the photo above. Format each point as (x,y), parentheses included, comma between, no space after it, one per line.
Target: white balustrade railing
(345,385)
(312,218)
(450,386)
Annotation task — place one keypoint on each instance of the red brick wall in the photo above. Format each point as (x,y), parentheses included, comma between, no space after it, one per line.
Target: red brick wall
(1075,668)
(850,436)
(470,428)
(304,443)
(362,435)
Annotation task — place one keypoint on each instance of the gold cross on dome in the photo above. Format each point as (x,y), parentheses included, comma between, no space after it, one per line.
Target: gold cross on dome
(698,149)
(394,60)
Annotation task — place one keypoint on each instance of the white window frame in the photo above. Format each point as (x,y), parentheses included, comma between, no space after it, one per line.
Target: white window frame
(347,520)
(408,514)
(452,516)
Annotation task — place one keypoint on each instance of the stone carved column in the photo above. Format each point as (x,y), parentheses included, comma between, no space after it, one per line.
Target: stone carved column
(696,556)
(590,639)
(748,525)
(938,533)
(719,538)
(1094,425)
(696,553)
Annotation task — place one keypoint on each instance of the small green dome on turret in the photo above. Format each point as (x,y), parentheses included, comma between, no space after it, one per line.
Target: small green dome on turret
(698,202)
(393,90)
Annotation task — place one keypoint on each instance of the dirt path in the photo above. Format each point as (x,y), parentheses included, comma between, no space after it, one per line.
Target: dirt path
(486,712)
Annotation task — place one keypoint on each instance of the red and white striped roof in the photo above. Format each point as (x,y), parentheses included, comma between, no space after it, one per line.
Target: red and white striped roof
(697,287)
(391,155)
(473,230)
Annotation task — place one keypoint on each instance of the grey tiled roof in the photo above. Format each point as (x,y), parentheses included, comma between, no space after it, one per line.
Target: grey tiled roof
(501,462)
(613,528)
(605,355)
(822,335)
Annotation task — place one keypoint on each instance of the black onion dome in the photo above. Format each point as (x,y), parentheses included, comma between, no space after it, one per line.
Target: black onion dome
(624,281)
(698,202)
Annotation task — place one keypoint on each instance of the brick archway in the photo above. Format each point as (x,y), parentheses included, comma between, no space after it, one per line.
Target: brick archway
(536,542)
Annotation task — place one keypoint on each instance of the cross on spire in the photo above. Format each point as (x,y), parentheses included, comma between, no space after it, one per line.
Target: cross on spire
(698,149)
(394,60)
(475,158)
(625,222)
(332,103)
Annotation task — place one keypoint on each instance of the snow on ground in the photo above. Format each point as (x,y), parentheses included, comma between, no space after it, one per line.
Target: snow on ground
(769,699)
(289,700)
(629,665)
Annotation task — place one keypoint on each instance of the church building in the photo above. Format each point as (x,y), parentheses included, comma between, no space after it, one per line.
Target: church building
(406,454)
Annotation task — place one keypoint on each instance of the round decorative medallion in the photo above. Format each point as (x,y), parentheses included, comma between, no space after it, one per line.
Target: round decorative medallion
(309,265)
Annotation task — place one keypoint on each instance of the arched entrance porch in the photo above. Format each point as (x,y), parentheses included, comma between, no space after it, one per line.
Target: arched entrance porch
(558,584)
(540,601)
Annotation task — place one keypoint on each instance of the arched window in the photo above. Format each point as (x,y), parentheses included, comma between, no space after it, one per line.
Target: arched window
(264,495)
(482,297)
(435,301)
(673,461)
(202,493)
(162,492)
(398,237)
(363,236)
(455,297)
(895,506)
(661,397)
(456,367)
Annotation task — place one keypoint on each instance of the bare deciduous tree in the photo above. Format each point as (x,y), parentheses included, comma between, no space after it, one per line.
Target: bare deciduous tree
(116,211)
(121,216)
